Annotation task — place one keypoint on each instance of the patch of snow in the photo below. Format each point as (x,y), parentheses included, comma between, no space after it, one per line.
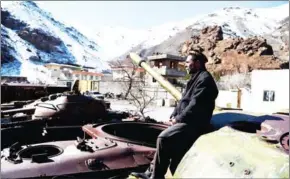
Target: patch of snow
(253,21)
(36,73)
(82,50)
(11,69)
(22,66)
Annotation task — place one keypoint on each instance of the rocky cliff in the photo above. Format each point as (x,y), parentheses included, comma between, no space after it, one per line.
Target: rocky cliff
(231,55)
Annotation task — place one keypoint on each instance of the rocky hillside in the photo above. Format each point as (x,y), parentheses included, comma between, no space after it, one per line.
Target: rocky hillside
(31,37)
(244,33)
(279,39)
(231,55)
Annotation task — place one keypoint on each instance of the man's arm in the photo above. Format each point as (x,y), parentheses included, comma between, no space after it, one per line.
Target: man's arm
(204,90)
(174,112)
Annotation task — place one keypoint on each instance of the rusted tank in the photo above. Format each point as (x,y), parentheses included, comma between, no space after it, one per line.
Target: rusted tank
(58,109)
(69,108)
(106,150)
(26,91)
(225,142)
(275,129)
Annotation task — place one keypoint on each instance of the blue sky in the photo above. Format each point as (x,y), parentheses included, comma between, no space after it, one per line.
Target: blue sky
(138,14)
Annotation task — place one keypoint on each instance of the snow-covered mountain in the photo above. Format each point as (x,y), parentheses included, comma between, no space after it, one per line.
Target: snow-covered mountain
(235,22)
(245,22)
(32,37)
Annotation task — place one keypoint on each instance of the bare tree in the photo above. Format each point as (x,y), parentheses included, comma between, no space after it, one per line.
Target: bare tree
(134,85)
(140,98)
(237,80)
(129,75)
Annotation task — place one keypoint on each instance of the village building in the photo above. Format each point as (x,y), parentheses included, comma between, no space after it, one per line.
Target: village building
(120,74)
(121,71)
(172,68)
(64,74)
(269,93)
(169,66)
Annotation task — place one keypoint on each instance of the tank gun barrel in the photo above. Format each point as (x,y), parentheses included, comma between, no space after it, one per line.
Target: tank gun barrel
(161,80)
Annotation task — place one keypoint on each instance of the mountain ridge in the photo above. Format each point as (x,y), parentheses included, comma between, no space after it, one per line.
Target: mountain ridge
(23,50)
(231,19)
(32,37)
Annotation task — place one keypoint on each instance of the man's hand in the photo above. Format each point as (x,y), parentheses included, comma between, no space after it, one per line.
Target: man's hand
(171,122)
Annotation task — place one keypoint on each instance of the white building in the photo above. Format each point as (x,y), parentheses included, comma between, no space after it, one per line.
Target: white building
(122,72)
(269,90)
(65,74)
(269,93)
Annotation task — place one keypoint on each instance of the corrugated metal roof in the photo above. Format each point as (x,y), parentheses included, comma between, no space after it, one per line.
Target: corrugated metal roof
(165,56)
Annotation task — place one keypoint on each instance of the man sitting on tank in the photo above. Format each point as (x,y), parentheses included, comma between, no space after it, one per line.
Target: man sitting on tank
(189,120)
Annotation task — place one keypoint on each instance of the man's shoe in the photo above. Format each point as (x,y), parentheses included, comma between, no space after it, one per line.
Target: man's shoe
(139,175)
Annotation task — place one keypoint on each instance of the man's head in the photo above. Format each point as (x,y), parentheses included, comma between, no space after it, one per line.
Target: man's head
(195,62)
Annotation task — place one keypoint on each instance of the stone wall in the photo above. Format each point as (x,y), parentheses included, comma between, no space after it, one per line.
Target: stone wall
(115,87)
(118,87)
(227,99)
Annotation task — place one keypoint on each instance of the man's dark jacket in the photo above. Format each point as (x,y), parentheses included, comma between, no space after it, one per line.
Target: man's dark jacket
(198,101)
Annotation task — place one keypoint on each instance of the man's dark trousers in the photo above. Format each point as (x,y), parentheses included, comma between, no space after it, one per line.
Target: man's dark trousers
(172,145)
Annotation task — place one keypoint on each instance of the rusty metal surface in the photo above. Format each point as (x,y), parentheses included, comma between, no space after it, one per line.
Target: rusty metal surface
(71,105)
(63,109)
(14,111)
(284,141)
(73,160)
(12,92)
(130,132)
(103,152)
(275,128)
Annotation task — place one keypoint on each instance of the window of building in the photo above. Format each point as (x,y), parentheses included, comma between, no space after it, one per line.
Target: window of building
(141,75)
(269,95)
(153,80)
(173,81)
(171,64)
(158,64)
(68,84)
(91,77)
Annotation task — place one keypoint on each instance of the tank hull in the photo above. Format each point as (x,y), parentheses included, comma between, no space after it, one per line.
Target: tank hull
(102,151)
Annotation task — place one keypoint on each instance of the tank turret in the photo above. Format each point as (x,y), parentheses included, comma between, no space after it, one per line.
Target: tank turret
(68,108)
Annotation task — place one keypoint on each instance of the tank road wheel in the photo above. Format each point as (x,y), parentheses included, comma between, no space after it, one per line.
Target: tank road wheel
(284,141)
